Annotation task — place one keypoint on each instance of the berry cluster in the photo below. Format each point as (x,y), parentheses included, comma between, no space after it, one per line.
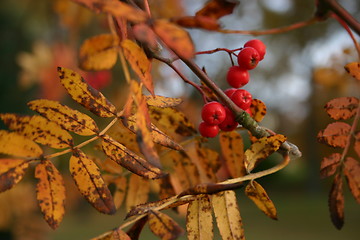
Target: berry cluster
(217,117)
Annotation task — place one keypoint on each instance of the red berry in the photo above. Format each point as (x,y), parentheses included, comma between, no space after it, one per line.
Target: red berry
(230,92)
(242,98)
(208,130)
(248,58)
(229,123)
(237,76)
(258,45)
(213,113)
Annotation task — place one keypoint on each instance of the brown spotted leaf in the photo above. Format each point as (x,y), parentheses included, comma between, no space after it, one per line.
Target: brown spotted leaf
(84,94)
(232,148)
(199,222)
(336,202)
(116,234)
(352,175)
(91,185)
(164,226)
(217,8)
(329,165)
(120,185)
(68,118)
(353,69)
(258,110)
(258,195)
(261,149)
(138,191)
(99,52)
(342,108)
(175,37)
(50,191)
(129,160)
(357,143)
(11,172)
(12,143)
(227,215)
(335,134)
(162,102)
(166,187)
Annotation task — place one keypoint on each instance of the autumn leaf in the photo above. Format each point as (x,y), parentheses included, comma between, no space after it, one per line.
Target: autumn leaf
(90,183)
(11,172)
(166,188)
(68,118)
(203,22)
(352,175)
(175,37)
(84,94)
(335,134)
(120,185)
(136,228)
(261,149)
(99,52)
(199,222)
(145,35)
(357,143)
(336,202)
(138,191)
(216,9)
(50,192)
(162,102)
(227,215)
(163,226)
(258,195)
(353,69)
(116,234)
(232,148)
(258,110)
(329,165)
(12,143)
(342,108)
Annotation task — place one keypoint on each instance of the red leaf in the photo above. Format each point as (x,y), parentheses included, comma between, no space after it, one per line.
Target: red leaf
(336,202)
(329,165)
(335,134)
(342,108)
(352,174)
(216,9)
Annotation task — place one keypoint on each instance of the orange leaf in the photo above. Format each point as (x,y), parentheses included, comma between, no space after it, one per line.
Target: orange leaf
(162,102)
(166,188)
(352,174)
(144,34)
(120,185)
(116,234)
(175,37)
(217,8)
(258,110)
(163,226)
(11,172)
(335,134)
(138,191)
(50,192)
(203,22)
(342,108)
(329,165)
(90,183)
(336,202)
(353,69)
(357,143)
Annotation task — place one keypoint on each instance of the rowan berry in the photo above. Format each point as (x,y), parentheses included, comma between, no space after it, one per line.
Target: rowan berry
(248,58)
(228,92)
(242,98)
(213,113)
(208,130)
(258,45)
(229,123)
(237,76)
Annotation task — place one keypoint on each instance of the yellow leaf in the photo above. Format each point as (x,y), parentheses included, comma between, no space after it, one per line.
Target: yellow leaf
(99,52)
(50,192)
(162,102)
(11,172)
(227,215)
(90,183)
(17,145)
(129,160)
(353,69)
(258,110)
(120,9)
(138,191)
(139,63)
(70,119)
(175,37)
(258,195)
(84,94)
(120,184)
(163,226)
(116,234)
(261,149)
(232,148)
(199,222)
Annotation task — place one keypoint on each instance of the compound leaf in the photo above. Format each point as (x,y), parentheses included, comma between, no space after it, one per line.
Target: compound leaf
(335,134)
(342,108)
(164,226)
(352,175)
(12,143)
(138,191)
(329,165)
(353,69)
(258,110)
(11,172)
(162,102)
(336,202)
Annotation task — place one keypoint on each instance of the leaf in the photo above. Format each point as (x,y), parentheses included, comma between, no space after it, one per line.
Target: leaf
(232,148)
(198,22)
(138,191)
(84,94)
(139,62)
(11,172)
(353,69)
(335,134)
(116,234)
(329,165)
(199,223)
(39,129)
(129,160)
(342,108)
(357,143)
(258,110)
(145,35)
(352,175)
(135,230)
(90,183)
(166,188)
(227,215)
(261,149)
(216,9)
(69,119)
(163,226)
(258,195)
(162,102)
(336,202)
(175,37)
(99,52)
(120,184)
(17,145)
(50,191)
